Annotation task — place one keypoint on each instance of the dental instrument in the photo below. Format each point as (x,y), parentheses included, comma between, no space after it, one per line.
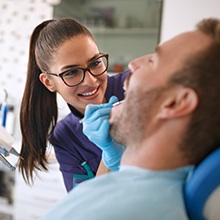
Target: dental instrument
(6,149)
(115,104)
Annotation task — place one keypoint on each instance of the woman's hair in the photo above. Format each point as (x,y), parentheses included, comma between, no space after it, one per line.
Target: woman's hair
(38,112)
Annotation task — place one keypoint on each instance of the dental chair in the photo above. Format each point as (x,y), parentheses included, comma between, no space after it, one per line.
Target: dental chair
(202,189)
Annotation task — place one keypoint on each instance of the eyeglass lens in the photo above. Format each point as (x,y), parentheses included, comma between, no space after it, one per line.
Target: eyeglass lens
(76,75)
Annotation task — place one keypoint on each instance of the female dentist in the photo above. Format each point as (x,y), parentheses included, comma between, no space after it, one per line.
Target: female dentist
(63,58)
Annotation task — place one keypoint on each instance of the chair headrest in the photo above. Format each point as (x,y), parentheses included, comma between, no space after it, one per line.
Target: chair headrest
(201,183)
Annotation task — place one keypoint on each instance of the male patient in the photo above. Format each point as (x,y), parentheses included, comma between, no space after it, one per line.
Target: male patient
(168,122)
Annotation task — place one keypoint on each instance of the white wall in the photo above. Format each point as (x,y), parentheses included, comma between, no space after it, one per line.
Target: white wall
(17,21)
(182,15)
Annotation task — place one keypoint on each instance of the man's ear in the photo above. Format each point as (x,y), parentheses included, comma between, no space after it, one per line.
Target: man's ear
(180,103)
(47,82)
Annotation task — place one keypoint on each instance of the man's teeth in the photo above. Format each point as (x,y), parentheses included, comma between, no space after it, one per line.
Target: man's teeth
(89,93)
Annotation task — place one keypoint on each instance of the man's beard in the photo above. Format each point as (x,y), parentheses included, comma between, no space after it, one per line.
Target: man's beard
(131,124)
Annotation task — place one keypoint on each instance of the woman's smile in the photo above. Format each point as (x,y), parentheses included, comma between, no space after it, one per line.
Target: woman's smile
(90,93)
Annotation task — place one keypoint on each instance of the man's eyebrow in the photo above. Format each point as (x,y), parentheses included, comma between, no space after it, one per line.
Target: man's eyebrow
(157,49)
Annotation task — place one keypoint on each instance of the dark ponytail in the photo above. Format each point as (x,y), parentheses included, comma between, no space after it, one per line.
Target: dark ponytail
(38,115)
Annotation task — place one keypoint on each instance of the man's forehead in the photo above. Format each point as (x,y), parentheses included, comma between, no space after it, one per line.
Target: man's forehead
(174,53)
(191,41)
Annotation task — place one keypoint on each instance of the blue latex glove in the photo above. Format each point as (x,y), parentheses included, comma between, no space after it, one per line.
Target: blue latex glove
(96,127)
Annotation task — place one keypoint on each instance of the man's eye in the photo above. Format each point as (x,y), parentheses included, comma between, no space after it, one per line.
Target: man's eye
(150,60)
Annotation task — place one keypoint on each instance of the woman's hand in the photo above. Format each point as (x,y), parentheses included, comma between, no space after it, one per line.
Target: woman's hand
(96,127)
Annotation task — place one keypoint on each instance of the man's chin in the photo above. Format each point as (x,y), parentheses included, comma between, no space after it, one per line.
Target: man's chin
(114,133)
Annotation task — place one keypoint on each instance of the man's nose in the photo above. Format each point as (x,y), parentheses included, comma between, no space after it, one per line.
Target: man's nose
(136,63)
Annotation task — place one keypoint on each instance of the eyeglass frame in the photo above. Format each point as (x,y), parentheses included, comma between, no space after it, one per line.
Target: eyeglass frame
(83,69)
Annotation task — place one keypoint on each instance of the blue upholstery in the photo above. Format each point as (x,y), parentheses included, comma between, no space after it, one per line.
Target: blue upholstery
(200,185)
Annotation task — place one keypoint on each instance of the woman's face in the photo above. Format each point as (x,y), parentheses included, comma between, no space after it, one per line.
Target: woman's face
(78,52)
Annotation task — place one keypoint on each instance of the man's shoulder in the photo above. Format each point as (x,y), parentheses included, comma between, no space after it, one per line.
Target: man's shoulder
(129,197)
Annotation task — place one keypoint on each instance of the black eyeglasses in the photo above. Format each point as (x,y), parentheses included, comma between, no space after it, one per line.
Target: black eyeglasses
(75,76)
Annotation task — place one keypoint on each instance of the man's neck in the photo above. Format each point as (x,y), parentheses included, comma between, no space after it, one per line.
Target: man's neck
(157,152)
